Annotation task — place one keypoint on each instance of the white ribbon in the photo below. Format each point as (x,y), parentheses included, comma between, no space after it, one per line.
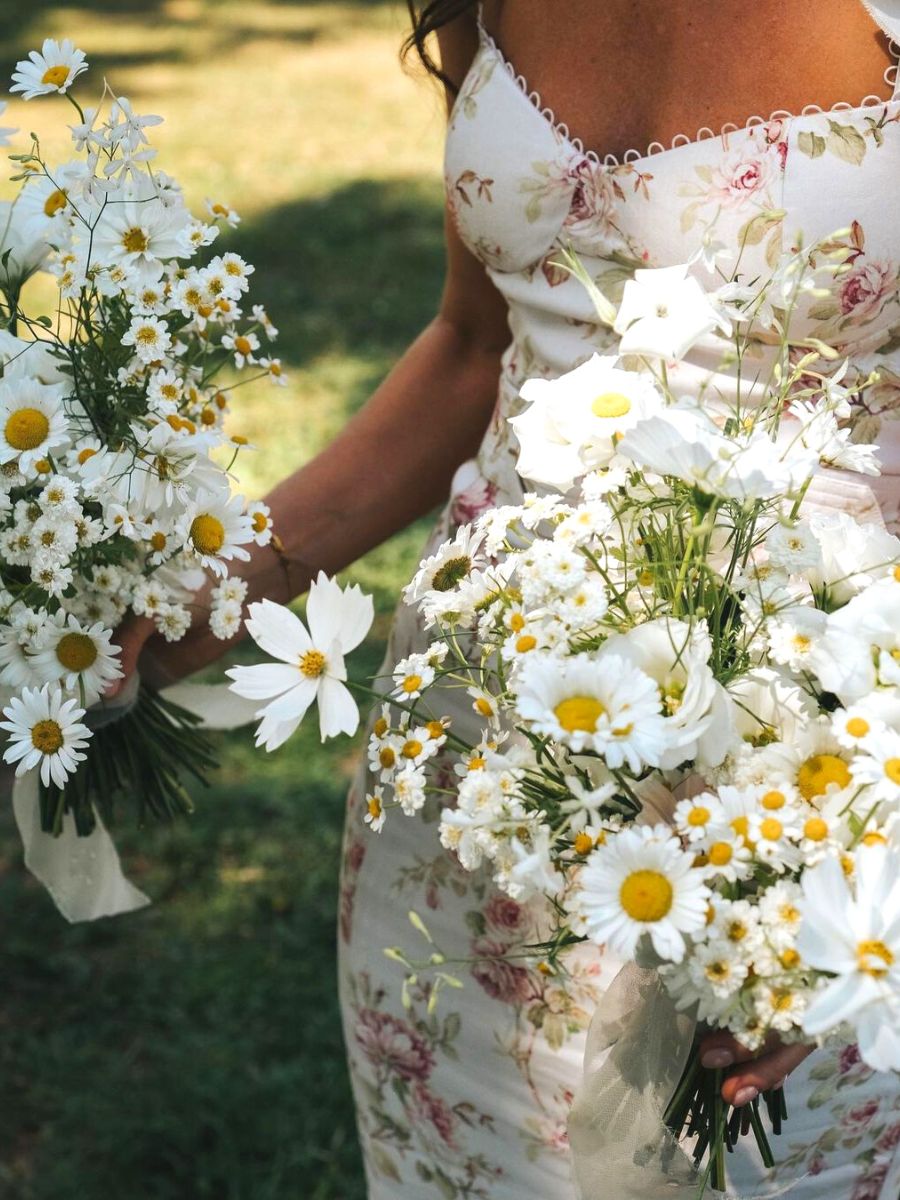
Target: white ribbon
(84,874)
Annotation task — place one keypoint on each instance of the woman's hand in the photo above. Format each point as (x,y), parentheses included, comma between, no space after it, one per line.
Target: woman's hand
(752,1071)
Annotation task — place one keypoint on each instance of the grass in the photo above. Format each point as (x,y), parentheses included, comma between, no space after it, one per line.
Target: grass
(193,1050)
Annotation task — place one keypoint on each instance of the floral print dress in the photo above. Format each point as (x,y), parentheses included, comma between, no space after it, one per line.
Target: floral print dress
(470,1099)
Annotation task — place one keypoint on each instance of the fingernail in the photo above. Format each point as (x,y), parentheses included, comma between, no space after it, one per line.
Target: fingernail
(745,1095)
(716,1059)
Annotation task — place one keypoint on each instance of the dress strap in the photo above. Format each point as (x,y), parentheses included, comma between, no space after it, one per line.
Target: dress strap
(479,17)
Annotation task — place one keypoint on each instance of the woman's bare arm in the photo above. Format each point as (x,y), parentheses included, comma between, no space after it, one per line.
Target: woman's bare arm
(394,460)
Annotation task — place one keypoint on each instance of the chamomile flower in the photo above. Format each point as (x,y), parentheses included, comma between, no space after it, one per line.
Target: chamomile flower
(261,519)
(243,346)
(32,422)
(80,659)
(641,882)
(149,336)
(52,69)
(215,529)
(45,732)
(311,662)
(221,212)
(375,815)
(412,675)
(693,817)
(605,705)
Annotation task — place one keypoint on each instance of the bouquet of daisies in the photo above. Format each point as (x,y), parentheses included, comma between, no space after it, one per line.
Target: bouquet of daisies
(687,677)
(115,466)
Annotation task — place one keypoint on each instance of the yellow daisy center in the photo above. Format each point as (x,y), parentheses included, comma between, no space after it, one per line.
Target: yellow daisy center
(646,895)
(55,202)
(815,829)
(450,573)
(610,404)
(857,727)
(76,651)
(207,533)
(771,829)
(412,683)
(134,240)
(47,736)
(483,707)
(312,664)
(158,541)
(892,769)
(789,958)
(579,713)
(874,839)
(698,816)
(819,772)
(525,643)
(720,854)
(773,801)
(85,454)
(387,757)
(874,958)
(260,522)
(412,748)
(435,729)
(584,843)
(55,76)
(242,345)
(26,428)
(477,763)
(374,805)
(380,727)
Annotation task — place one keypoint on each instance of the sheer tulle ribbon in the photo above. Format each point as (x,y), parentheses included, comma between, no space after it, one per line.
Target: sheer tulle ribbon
(84,875)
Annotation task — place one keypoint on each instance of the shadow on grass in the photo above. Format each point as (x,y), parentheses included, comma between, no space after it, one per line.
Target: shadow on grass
(358,270)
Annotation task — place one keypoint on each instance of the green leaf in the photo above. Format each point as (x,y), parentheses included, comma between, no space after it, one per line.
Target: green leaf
(811,144)
(847,143)
(385,1164)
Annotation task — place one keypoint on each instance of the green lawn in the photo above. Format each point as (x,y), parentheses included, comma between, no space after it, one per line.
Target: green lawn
(194,1050)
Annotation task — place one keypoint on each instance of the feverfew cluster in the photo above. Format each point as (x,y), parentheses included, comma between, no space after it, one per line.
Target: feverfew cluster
(115,464)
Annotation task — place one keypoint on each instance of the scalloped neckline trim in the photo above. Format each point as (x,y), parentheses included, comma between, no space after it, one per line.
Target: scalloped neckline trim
(681,141)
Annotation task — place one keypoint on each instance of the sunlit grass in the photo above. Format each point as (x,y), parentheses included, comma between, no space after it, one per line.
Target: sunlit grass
(193,1050)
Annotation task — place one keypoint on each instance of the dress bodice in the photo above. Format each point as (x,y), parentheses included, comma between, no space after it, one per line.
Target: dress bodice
(521,187)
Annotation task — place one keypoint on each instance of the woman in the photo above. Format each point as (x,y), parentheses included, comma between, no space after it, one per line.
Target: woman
(472,1101)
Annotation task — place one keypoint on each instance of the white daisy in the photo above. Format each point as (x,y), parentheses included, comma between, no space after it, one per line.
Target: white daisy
(311,665)
(606,705)
(45,731)
(878,768)
(638,882)
(215,527)
(78,657)
(52,69)
(149,336)
(32,422)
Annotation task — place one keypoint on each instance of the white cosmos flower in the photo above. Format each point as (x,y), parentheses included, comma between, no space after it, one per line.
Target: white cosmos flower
(685,442)
(697,708)
(76,656)
(606,705)
(139,232)
(857,940)
(52,69)
(664,312)
(572,423)
(638,882)
(45,731)
(311,663)
(32,422)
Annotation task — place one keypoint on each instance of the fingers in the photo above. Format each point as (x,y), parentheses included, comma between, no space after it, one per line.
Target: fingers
(130,637)
(761,1074)
(722,1049)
